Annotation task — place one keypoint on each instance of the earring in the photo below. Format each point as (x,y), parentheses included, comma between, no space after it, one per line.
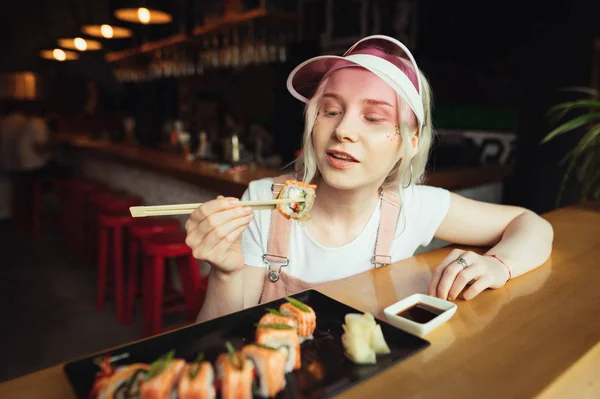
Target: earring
(411,176)
(397,131)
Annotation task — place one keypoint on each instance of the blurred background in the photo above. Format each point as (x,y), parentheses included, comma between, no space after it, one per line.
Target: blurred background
(155,102)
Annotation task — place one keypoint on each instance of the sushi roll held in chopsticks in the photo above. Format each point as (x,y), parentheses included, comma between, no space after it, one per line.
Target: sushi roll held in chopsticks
(269,365)
(297,191)
(307,319)
(197,381)
(235,374)
(284,338)
(162,378)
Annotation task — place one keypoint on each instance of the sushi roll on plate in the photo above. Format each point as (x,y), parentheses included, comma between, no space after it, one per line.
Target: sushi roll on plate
(124,383)
(269,365)
(284,338)
(161,382)
(197,381)
(297,191)
(235,374)
(304,314)
(276,317)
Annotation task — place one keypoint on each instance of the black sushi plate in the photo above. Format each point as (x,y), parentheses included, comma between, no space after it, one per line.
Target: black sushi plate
(325,370)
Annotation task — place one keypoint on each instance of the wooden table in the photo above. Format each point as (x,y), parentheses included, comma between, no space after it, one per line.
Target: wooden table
(539,336)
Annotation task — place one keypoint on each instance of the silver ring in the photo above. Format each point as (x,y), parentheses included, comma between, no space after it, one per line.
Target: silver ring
(462,262)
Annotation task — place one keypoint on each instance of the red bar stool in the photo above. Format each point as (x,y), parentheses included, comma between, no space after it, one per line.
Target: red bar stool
(19,201)
(39,185)
(140,229)
(73,210)
(113,217)
(156,248)
(93,203)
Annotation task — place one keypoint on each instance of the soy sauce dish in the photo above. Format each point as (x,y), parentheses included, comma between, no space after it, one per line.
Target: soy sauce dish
(419,314)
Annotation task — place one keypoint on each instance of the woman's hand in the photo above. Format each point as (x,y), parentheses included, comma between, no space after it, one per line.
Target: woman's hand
(450,277)
(214,231)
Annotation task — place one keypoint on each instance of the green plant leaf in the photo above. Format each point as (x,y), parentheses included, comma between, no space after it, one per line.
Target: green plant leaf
(569,155)
(587,140)
(591,185)
(565,179)
(575,104)
(557,112)
(570,125)
(579,89)
(596,193)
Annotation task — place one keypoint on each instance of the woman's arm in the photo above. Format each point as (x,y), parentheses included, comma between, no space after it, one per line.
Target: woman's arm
(522,239)
(231,292)
(518,237)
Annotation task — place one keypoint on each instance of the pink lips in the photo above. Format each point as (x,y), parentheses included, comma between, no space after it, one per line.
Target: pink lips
(340,159)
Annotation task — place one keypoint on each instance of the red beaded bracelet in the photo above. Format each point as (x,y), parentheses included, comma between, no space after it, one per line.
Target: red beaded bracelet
(505,265)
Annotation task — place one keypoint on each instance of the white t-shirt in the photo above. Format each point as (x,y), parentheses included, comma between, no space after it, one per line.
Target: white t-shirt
(34,132)
(423,209)
(11,129)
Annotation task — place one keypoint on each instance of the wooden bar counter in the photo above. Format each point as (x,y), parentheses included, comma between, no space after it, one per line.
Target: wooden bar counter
(538,336)
(208,175)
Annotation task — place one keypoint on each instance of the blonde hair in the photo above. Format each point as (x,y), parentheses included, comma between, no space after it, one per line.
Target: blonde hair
(400,176)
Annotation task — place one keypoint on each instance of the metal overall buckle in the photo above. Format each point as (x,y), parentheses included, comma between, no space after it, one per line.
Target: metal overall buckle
(274,274)
(374,260)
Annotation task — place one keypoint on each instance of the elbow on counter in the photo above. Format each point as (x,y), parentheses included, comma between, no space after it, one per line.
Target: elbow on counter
(545,236)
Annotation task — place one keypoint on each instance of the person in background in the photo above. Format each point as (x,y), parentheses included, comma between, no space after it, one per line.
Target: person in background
(36,147)
(11,125)
(12,122)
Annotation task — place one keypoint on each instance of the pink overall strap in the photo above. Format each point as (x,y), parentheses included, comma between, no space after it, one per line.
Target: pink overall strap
(279,231)
(390,210)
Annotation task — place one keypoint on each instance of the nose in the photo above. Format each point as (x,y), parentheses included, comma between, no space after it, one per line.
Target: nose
(344,130)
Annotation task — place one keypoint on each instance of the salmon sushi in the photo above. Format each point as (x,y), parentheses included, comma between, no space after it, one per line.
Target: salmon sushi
(271,318)
(124,383)
(295,190)
(162,382)
(307,319)
(197,381)
(235,374)
(269,364)
(283,337)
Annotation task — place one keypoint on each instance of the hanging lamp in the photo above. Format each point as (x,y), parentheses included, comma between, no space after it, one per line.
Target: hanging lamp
(59,54)
(143,15)
(79,44)
(106,31)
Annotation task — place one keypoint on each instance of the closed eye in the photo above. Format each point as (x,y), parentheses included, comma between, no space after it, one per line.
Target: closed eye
(374,118)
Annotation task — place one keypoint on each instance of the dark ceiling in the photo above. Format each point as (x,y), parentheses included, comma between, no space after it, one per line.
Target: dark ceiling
(28,26)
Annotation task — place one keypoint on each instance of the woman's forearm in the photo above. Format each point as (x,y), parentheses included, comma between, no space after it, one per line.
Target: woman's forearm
(526,243)
(224,294)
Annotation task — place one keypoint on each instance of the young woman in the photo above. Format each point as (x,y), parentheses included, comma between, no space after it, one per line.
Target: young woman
(366,141)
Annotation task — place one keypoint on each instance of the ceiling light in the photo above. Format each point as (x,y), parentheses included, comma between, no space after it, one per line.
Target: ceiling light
(143,15)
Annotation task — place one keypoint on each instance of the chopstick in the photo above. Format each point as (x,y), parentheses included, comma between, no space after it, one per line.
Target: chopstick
(186,209)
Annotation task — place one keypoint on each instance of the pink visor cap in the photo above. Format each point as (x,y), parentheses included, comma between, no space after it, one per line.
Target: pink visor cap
(382,55)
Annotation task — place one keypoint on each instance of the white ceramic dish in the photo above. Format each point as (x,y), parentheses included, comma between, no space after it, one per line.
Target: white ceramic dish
(420,329)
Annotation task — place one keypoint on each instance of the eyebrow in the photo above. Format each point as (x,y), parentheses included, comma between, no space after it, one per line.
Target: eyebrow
(378,102)
(367,101)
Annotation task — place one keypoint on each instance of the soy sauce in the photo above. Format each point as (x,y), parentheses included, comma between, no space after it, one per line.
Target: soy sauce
(420,313)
